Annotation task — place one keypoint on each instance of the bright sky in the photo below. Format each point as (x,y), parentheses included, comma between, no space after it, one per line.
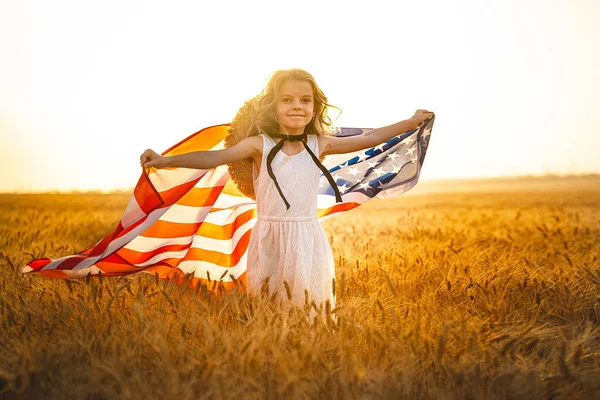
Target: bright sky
(86,86)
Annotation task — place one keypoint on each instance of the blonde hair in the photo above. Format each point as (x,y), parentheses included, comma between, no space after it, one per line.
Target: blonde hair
(258,115)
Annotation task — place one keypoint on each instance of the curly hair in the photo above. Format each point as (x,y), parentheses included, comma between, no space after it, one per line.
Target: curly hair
(258,115)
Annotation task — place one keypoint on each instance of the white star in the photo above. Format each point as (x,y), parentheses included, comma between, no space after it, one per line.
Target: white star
(409,140)
(343,188)
(396,168)
(336,176)
(426,133)
(393,156)
(379,147)
(381,185)
(353,171)
(373,164)
(364,186)
(411,150)
(344,164)
(362,157)
(379,171)
(412,160)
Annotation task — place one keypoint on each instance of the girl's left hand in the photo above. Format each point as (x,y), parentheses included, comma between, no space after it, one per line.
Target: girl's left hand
(422,116)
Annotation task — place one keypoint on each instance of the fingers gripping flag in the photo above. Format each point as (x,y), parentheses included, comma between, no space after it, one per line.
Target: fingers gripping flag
(194,225)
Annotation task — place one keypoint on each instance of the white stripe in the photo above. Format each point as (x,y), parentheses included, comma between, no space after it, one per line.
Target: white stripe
(218,146)
(132,213)
(143,244)
(225,217)
(355,197)
(216,177)
(163,256)
(165,179)
(185,214)
(83,272)
(327,200)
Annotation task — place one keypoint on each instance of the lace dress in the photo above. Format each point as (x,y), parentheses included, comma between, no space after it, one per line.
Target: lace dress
(290,245)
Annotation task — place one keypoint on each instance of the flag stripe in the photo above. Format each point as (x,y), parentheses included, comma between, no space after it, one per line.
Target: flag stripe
(165,180)
(219,228)
(144,244)
(183,214)
(166,230)
(200,196)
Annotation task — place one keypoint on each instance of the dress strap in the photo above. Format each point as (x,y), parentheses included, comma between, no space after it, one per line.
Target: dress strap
(298,138)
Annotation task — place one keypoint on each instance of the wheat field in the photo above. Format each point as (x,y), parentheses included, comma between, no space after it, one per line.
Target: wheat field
(450,295)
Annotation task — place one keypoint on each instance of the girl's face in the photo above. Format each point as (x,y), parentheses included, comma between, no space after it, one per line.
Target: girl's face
(295,106)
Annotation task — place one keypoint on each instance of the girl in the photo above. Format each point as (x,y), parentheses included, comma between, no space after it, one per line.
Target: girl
(276,141)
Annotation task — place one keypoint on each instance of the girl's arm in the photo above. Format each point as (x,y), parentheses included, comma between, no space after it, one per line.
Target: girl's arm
(249,147)
(339,145)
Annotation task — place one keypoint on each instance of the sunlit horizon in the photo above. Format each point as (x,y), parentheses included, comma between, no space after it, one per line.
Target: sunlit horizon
(432,184)
(86,87)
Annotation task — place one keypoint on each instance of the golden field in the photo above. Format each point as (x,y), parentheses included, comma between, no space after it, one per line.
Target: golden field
(467,292)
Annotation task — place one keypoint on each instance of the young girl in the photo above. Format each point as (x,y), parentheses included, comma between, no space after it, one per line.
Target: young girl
(274,150)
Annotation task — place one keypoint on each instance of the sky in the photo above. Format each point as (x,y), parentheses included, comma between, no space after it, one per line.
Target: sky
(86,87)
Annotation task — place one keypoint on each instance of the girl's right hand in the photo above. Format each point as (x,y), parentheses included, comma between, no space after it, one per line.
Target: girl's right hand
(150,158)
(422,116)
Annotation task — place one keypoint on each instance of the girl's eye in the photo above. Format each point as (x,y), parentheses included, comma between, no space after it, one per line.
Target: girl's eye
(307,100)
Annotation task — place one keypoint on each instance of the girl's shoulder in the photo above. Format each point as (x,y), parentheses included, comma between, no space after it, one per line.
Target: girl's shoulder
(251,146)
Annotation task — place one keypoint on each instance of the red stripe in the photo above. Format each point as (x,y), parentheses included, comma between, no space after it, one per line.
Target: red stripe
(52,273)
(137,257)
(70,262)
(114,263)
(322,212)
(146,195)
(39,264)
(101,247)
(171,196)
(168,230)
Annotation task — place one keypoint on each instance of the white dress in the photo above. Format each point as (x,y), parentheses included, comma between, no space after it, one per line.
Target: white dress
(290,245)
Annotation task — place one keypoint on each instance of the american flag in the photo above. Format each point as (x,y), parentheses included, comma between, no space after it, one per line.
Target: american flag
(194,226)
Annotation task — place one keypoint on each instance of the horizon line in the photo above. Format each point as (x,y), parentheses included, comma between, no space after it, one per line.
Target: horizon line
(431,181)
